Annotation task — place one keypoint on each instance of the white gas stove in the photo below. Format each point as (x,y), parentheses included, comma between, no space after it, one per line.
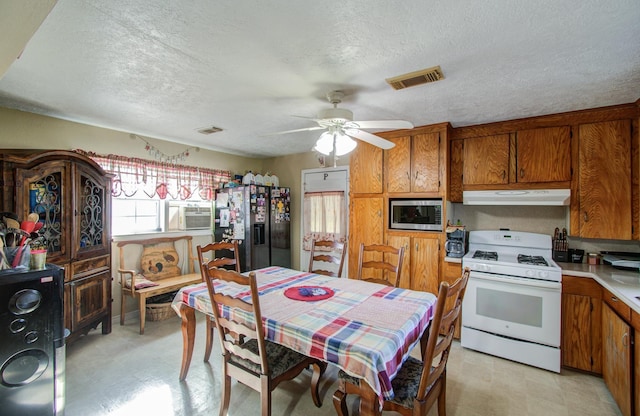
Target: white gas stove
(512,305)
(512,253)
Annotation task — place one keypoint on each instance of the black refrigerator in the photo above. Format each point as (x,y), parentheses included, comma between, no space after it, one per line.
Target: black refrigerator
(259,218)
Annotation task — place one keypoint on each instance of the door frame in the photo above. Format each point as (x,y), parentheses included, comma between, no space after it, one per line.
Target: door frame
(338,185)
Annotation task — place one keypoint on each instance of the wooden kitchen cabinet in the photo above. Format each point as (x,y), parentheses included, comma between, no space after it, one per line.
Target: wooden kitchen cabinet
(617,358)
(413,165)
(456,170)
(543,155)
(365,165)
(366,225)
(529,156)
(604,206)
(581,324)
(420,268)
(486,160)
(72,196)
(635,323)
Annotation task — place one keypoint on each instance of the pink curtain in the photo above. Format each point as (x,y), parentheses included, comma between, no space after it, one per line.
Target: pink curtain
(133,175)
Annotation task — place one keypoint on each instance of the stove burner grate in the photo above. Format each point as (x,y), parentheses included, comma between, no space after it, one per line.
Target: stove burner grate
(533,260)
(485,255)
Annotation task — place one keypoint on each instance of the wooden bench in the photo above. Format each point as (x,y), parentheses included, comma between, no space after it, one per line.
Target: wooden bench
(159,271)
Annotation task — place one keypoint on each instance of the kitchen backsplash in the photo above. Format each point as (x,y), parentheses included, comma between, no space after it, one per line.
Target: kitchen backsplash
(541,219)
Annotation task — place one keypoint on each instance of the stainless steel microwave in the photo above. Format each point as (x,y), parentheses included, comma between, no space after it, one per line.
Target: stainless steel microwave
(415,214)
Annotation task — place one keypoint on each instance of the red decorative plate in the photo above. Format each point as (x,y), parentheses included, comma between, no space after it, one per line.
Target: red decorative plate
(308,293)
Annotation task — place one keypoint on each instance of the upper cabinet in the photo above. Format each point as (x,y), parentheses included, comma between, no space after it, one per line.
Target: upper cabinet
(539,155)
(413,165)
(365,167)
(543,155)
(604,205)
(486,160)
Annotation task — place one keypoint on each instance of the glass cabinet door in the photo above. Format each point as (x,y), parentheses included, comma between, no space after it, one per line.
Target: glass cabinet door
(43,192)
(92,213)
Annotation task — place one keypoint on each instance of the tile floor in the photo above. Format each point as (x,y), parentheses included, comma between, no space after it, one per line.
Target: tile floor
(125,373)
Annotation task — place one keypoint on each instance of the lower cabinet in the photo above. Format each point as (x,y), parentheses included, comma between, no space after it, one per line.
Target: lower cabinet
(617,358)
(635,322)
(87,297)
(420,266)
(581,324)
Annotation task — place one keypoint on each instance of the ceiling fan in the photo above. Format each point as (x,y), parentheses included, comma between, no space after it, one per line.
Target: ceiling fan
(338,122)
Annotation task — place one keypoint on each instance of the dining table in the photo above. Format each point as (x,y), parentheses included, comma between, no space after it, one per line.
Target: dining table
(366,329)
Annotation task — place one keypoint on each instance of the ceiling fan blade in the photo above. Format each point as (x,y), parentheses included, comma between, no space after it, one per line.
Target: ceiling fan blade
(370,138)
(294,131)
(384,124)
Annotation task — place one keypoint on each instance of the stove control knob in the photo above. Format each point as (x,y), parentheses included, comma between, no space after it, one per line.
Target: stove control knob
(529,273)
(543,274)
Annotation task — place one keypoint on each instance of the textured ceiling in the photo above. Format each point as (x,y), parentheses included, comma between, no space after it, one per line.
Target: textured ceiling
(164,69)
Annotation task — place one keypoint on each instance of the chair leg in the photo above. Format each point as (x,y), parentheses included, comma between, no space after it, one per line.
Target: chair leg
(209,345)
(442,396)
(340,400)
(319,368)
(142,304)
(226,394)
(265,396)
(122,308)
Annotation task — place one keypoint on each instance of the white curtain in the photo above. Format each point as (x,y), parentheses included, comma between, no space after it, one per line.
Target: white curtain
(324,217)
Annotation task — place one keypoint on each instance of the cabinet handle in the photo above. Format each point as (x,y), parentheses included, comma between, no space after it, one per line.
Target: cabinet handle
(614,299)
(379,214)
(521,172)
(408,176)
(586,217)
(417,246)
(625,339)
(504,174)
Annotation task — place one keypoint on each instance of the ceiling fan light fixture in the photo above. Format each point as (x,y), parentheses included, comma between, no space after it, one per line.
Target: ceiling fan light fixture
(324,144)
(344,144)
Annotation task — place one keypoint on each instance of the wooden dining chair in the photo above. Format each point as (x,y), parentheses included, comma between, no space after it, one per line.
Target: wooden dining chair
(324,254)
(207,258)
(419,383)
(383,264)
(247,356)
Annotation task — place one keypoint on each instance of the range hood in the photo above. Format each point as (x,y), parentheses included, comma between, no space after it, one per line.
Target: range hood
(549,197)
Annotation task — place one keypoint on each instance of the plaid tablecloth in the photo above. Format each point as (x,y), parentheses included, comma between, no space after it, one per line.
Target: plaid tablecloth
(366,329)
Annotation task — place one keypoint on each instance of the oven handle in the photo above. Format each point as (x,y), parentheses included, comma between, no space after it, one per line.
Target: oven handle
(543,284)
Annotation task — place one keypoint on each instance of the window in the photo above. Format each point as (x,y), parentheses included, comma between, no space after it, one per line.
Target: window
(324,217)
(131,216)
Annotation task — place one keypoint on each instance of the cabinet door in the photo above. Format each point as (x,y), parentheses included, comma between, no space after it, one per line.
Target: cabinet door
(544,155)
(616,357)
(425,264)
(403,241)
(576,331)
(365,165)
(398,165)
(366,225)
(605,180)
(635,320)
(89,298)
(92,214)
(45,190)
(456,170)
(486,160)
(425,163)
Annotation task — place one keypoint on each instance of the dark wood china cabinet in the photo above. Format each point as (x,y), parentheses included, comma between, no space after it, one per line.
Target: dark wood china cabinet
(72,196)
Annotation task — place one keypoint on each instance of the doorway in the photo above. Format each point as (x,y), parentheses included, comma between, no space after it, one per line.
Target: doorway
(327,188)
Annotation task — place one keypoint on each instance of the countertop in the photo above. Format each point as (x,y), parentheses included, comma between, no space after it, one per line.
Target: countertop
(624,284)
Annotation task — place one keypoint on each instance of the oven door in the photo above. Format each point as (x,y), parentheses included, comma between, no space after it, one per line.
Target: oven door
(520,308)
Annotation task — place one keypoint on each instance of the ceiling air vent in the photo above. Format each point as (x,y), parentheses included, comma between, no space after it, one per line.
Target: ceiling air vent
(416,78)
(209,130)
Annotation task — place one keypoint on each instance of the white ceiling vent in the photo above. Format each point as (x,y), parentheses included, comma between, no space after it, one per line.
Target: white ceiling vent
(209,130)
(416,78)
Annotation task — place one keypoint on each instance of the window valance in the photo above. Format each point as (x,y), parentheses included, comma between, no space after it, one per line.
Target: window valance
(153,178)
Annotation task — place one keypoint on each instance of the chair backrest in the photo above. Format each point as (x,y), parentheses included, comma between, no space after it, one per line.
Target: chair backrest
(233,333)
(208,259)
(325,253)
(448,307)
(385,267)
